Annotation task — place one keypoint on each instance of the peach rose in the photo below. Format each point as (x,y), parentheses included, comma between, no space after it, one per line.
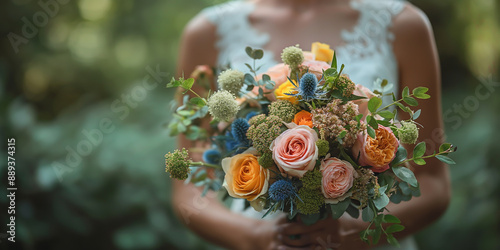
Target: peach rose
(322,52)
(245,178)
(338,177)
(278,73)
(378,152)
(303,118)
(316,67)
(295,151)
(363,103)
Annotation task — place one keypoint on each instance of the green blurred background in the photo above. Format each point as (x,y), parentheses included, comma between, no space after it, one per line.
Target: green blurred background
(79,68)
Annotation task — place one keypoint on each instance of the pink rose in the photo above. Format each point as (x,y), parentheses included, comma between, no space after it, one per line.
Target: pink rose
(295,151)
(378,152)
(338,177)
(363,103)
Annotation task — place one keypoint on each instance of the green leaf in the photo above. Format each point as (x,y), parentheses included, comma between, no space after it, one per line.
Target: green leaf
(386,114)
(249,67)
(410,101)
(250,87)
(309,219)
(342,134)
(372,122)
(266,78)
(249,51)
(389,218)
(377,234)
(420,93)
(269,86)
(394,228)
(367,214)
(405,175)
(382,201)
(401,155)
(416,115)
(444,147)
(419,150)
(392,240)
(358,117)
(419,161)
(258,54)
(352,211)
(187,84)
(371,132)
(384,83)
(198,101)
(402,107)
(374,103)
(249,80)
(406,92)
(334,61)
(384,123)
(446,159)
(339,208)
(173,83)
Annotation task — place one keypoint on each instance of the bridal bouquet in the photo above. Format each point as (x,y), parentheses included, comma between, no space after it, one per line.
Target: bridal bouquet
(303,139)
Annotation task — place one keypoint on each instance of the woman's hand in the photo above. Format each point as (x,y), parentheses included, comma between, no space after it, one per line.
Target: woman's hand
(324,234)
(265,234)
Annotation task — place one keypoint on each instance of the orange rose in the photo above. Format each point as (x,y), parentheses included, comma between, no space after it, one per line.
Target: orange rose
(378,152)
(303,118)
(245,178)
(322,52)
(284,88)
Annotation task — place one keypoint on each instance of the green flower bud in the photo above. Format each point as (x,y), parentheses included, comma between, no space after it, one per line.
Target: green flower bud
(283,109)
(323,147)
(312,179)
(312,201)
(231,80)
(177,164)
(292,56)
(266,160)
(408,133)
(223,106)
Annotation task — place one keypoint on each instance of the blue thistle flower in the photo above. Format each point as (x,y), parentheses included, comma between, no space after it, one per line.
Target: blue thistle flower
(212,156)
(282,190)
(239,130)
(231,143)
(307,86)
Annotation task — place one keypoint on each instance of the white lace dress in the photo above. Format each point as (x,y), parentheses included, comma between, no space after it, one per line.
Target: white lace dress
(367,51)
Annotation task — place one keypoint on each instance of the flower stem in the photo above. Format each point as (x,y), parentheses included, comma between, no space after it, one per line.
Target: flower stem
(203,164)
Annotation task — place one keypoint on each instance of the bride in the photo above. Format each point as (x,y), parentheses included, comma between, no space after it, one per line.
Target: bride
(374,38)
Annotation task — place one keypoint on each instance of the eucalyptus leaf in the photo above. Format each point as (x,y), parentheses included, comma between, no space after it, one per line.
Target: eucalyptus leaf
(249,80)
(401,155)
(258,54)
(394,228)
(367,214)
(309,219)
(416,115)
(339,208)
(249,51)
(353,211)
(405,175)
(382,201)
(446,159)
(377,234)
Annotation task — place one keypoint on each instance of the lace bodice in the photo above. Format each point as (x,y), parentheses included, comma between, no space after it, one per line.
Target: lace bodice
(366,52)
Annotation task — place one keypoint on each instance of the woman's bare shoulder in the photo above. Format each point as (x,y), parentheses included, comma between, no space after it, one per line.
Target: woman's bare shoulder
(412,25)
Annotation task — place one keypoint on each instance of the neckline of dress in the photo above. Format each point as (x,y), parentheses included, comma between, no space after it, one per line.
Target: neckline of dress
(343,32)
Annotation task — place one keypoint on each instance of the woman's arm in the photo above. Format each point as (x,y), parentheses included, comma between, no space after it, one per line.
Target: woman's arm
(206,216)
